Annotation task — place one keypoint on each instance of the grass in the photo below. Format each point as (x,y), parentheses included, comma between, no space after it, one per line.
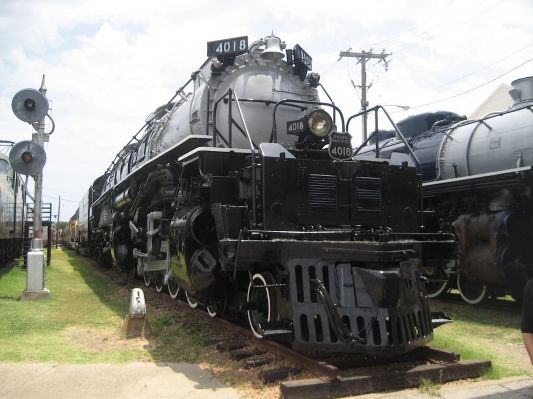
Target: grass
(81,301)
(478,333)
(179,338)
(82,323)
(429,387)
(83,319)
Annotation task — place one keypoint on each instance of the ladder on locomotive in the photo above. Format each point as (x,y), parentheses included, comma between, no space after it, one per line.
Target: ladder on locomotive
(46,212)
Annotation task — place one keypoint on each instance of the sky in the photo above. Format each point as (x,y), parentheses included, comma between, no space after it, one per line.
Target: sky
(109,63)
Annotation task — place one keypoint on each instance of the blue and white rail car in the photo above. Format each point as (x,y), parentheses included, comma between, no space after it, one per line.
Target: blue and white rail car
(478,180)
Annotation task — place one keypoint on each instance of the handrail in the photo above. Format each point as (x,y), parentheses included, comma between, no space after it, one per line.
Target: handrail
(398,132)
(330,99)
(252,150)
(224,97)
(227,97)
(243,122)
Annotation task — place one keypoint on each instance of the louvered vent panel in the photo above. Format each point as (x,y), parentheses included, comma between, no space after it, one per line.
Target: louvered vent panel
(368,194)
(322,193)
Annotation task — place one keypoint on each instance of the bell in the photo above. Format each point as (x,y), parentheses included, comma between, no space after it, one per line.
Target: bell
(272,49)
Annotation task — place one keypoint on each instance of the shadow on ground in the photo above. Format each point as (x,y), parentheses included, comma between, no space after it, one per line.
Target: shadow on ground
(176,334)
(4,269)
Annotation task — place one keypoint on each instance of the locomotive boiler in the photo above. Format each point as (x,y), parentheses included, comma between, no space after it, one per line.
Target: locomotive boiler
(241,194)
(478,181)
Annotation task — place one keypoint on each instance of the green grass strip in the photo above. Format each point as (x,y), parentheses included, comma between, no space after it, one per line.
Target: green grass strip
(84,310)
(481,333)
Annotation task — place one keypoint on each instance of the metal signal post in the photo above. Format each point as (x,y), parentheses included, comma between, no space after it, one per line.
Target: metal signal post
(39,138)
(28,158)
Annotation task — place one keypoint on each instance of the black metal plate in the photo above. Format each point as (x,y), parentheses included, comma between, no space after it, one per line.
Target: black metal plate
(296,127)
(340,146)
(232,46)
(301,57)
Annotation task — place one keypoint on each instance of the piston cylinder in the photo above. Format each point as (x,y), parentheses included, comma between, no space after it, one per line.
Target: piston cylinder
(125,198)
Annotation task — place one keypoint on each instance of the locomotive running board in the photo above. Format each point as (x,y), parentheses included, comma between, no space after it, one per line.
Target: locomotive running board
(482,180)
(190,156)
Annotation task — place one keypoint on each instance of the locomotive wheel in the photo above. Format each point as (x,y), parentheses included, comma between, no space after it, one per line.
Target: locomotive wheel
(437,284)
(193,303)
(147,279)
(173,288)
(470,292)
(262,302)
(158,282)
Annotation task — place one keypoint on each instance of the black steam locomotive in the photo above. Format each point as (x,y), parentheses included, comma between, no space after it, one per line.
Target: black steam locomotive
(478,182)
(242,195)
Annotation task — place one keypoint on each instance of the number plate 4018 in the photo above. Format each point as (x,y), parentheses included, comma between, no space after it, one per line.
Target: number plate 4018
(235,45)
(296,127)
(340,146)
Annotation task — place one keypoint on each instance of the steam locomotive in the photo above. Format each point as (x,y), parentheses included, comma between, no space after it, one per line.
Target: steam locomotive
(11,208)
(478,182)
(243,196)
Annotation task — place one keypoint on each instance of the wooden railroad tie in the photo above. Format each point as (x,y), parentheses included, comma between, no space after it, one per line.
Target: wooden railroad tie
(391,380)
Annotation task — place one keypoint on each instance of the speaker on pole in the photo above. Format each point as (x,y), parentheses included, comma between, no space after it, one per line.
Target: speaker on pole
(30,105)
(27,158)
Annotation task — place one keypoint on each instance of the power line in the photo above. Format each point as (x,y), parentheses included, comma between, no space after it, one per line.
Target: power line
(426,20)
(474,88)
(62,199)
(466,20)
(468,74)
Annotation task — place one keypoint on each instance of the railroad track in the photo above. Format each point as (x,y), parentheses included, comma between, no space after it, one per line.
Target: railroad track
(304,376)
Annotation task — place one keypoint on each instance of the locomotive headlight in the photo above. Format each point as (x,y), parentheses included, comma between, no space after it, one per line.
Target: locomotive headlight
(319,123)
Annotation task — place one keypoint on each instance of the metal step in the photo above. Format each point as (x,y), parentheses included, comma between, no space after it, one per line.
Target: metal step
(439,318)
(277,330)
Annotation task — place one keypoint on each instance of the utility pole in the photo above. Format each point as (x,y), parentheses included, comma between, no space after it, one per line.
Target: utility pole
(362,59)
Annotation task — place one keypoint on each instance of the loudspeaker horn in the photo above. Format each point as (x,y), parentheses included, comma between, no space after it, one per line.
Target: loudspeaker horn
(27,158)
(30,105)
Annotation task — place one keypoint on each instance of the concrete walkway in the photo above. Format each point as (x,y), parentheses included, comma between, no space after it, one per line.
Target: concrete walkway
(187,381)
(508,388)
(133,380)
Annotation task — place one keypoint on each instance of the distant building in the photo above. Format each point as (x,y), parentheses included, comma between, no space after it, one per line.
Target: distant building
(498,101)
